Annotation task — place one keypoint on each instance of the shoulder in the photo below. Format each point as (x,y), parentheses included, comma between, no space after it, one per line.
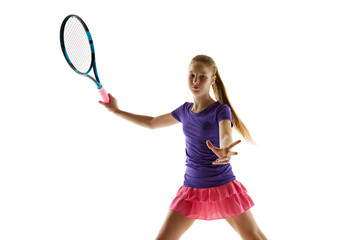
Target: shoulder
(224,112)
(180,110)
(185,104)
(222,107)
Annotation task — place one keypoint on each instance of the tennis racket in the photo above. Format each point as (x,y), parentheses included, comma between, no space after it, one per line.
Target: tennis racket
(78,49)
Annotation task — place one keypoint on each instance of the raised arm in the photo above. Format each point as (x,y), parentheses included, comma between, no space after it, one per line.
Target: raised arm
(141,120)
(163,121)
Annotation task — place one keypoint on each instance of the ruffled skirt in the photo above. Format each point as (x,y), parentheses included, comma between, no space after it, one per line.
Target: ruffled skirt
(225,201)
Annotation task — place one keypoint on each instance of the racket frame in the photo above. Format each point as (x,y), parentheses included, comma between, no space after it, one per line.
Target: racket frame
(96,80)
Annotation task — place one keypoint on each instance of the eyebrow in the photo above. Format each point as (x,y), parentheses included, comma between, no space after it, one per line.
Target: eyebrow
(201,72)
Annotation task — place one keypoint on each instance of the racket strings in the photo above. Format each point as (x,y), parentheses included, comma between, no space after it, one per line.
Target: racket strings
(82,55)
(77,45)
(80,50)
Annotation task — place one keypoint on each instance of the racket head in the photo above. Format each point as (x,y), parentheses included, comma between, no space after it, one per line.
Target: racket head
(76,44)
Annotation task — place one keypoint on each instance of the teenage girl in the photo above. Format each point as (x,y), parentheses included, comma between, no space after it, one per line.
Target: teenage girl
(210,190)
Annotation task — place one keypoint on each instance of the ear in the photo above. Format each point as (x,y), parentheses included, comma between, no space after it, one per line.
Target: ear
(213,80)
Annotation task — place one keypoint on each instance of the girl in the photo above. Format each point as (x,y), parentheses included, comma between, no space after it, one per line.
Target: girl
(210,190)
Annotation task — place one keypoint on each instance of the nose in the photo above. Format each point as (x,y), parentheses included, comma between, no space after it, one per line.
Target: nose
(196,81)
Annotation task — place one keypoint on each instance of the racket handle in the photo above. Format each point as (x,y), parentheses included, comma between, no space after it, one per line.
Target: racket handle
(104,95)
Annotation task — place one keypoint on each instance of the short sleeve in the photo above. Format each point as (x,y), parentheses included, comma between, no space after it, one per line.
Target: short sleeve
(224,112)
(178,112)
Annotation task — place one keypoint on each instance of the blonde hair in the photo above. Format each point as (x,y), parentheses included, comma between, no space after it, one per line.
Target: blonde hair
(221,95)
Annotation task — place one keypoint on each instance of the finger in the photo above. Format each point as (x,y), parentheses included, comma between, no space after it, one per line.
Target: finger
(111,96)
(216,161)
(233,144)
(221,160)
(210,145)
(221,163)
(232,153)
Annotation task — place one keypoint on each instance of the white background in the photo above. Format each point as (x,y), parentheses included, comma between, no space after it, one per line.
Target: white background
(70,169)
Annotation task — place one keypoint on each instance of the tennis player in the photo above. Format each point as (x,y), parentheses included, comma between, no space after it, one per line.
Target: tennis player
(210,190)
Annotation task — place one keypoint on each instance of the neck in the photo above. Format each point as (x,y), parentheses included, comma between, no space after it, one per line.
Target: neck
(201,103)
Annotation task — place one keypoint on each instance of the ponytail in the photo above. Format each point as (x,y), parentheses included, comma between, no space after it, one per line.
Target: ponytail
(221,95)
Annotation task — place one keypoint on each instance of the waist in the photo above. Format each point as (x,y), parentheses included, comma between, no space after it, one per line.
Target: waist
(208,176)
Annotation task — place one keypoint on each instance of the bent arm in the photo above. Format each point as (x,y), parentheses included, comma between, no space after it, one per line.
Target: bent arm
(225,133)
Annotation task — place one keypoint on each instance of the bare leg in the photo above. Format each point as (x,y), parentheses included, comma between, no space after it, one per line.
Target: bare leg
(246,226)
(174,226)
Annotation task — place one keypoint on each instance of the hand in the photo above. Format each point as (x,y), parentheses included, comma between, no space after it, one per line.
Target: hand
(224,154)
(112,105)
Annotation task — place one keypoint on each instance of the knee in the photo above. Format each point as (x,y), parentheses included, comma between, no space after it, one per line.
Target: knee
(165,238)
(160,238)
(256,236)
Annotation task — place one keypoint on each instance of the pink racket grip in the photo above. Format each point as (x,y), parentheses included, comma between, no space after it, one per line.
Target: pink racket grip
(104,95)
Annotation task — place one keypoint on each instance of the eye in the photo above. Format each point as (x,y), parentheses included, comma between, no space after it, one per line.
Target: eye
(202,76)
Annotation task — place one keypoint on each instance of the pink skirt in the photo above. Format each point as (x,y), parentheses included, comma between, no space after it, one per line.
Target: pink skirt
(225,201)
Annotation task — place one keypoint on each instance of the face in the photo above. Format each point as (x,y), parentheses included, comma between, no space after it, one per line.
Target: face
(200,78)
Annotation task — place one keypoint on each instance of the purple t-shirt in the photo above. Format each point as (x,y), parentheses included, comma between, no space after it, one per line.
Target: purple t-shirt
(199,127)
